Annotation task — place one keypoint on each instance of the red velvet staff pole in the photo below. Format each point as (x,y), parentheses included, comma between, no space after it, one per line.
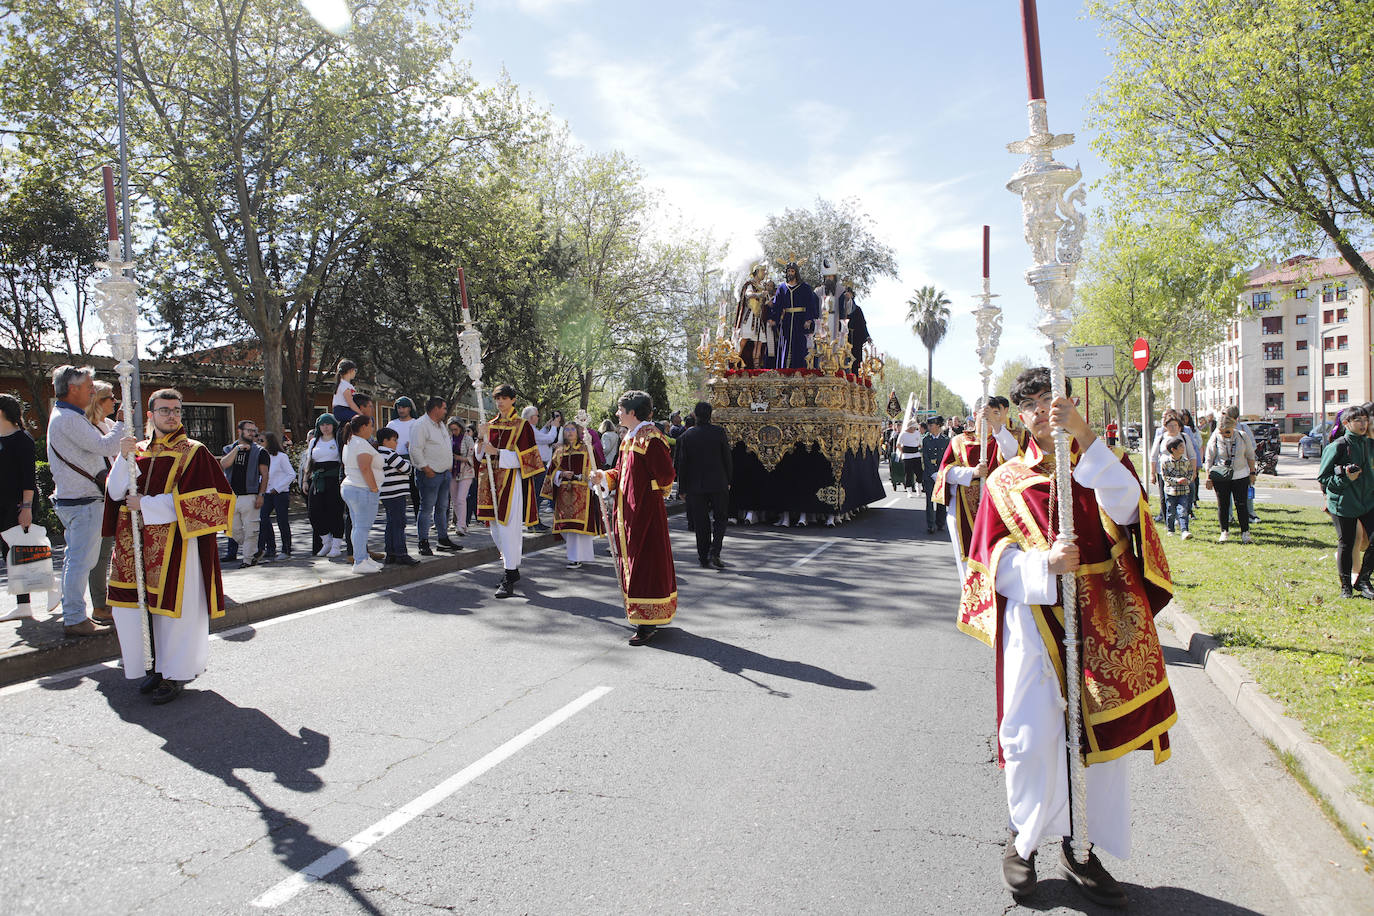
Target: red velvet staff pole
(1030,27)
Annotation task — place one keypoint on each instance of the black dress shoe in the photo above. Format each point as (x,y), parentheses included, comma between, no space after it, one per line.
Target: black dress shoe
(405,559)
(167,692)
(1092,879)
(705,564)
(446,544)
(1018,874)
(643,633)
(507,587)
(717,562)
(424,549)
(150,683)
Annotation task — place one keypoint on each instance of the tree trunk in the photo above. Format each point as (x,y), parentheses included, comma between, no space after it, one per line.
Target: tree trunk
(930,378)
(271,380)
(585,396)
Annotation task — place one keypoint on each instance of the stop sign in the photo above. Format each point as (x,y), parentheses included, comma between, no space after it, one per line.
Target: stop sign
(1140,354)
(1184,371)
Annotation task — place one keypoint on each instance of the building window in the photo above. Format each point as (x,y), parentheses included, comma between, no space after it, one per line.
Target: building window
(208,424)
(1300,345)
(1328,292)
(1273,351)
(1342,396)
(1342,369)
(1273,376)
(1341,290)
(1300,293)
(1273,402)
(1301,371)
(1302,397)
(1272,325)
(1260,300)
(1300,319)
(1328,316)
(1328,343)
(1342,342)
(1342,315)
(1330,395)
(1230,380)
(1329,370)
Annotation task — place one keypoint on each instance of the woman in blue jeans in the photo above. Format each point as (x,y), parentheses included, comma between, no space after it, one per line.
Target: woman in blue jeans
(280,474)
(361,487)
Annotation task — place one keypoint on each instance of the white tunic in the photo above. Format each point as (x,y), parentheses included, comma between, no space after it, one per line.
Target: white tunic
(963,477)
(1032,730)
(181,644)
(509,538)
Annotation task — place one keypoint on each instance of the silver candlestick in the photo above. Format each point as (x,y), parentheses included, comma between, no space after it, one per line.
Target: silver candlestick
(1054,228)
(118,313)
(470,351)
(988,328)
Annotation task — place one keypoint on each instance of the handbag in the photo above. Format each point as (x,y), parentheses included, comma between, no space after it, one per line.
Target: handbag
(1224,471)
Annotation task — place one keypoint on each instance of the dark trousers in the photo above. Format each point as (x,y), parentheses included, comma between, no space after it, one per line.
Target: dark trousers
(279,503)
(912,467)
(326,509)
(395,536)
(707,513)
(1230,490)
(935,512)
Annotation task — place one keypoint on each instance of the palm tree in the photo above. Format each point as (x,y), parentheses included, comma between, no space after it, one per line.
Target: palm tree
(928,312)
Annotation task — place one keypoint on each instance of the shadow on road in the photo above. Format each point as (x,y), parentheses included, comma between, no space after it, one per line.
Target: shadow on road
(205,731)
(1057,893)
(735,660)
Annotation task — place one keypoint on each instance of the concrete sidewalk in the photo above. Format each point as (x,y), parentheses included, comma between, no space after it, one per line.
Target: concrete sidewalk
(36,646)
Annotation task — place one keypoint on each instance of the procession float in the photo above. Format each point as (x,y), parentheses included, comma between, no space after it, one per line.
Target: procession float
(807,439)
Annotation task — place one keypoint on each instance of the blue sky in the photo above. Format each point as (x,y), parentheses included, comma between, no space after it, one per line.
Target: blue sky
(738,110)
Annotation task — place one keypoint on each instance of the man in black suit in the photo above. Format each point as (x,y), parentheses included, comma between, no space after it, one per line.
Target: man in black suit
(703,473)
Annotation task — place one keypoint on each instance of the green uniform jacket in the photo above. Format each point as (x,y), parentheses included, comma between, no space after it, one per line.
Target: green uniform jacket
(1345,497)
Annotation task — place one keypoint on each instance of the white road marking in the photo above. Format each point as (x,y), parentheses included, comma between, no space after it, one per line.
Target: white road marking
(806,559)
(405,814)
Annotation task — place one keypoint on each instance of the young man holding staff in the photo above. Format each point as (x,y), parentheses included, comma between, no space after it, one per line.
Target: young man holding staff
(508,447)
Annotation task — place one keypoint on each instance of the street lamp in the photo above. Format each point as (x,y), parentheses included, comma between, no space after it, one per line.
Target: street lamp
(1321,366)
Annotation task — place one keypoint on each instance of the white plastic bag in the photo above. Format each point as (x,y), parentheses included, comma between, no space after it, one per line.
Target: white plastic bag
(29,563)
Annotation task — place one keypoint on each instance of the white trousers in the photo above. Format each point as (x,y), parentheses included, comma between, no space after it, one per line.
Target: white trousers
(581,547)
(181,644)
(1032,737)
(952,523)
(244,525)
(510,538)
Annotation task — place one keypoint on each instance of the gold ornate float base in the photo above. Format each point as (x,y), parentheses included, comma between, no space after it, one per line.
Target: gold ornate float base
(772,413)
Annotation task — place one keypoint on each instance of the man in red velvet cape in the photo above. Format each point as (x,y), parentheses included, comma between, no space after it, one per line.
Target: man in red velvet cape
(640,480)
(185,500)
(1011,601)
(959,480)
(508,446)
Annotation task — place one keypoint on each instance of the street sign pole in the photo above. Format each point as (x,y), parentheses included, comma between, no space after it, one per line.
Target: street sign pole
(1140,358)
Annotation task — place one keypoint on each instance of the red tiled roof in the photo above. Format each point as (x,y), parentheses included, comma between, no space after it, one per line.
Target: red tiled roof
(1302,268)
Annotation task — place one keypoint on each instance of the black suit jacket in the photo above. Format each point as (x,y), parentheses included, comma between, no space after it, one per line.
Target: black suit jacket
(703,459)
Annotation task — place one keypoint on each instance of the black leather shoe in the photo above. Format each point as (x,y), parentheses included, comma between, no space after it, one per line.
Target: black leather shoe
(150,683)
(643,633)
(1018,874)
(166,693)
(424,549)
(1092,879)
(507,587)
(515,574)
(446,544)
(1363,588)
(405,559)
(717,562)
(705,564)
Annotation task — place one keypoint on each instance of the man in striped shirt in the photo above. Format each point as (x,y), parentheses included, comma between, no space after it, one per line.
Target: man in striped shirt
(395,488)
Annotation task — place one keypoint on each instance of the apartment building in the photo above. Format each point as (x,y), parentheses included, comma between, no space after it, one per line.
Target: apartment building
(1299,347)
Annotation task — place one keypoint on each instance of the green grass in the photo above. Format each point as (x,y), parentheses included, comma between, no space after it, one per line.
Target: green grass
(1274,605)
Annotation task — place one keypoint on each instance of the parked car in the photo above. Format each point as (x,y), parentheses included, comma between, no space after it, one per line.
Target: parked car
(1311,444)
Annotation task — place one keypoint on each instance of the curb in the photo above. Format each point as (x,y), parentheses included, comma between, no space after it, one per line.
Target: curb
(41,661)
(1328,774)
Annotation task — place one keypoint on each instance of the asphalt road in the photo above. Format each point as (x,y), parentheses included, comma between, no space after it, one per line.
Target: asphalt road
(812,736)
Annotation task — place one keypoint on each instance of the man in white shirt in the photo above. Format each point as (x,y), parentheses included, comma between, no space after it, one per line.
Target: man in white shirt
(545,439)
(431,452)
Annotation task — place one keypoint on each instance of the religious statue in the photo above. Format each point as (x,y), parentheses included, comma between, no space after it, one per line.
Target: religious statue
(751,319)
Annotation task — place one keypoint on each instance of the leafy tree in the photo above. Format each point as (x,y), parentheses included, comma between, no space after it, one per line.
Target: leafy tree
(48,250)
(906,379)
(1274,145)
(647,375)
(1006,375)
(262,146)
(1159,278)
(929,314)
(838,231)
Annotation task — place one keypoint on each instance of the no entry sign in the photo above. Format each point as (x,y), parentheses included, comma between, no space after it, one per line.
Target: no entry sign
(1140,354)
(1184,370)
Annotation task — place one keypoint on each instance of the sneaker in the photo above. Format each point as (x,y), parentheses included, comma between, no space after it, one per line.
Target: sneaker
(1187,536)
(1223,538)
(336,550)
(1245,538)
(425,550)
(366,566)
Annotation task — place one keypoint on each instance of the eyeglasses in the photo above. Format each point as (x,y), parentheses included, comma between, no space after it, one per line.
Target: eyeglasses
(1045,401)
(168,411)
